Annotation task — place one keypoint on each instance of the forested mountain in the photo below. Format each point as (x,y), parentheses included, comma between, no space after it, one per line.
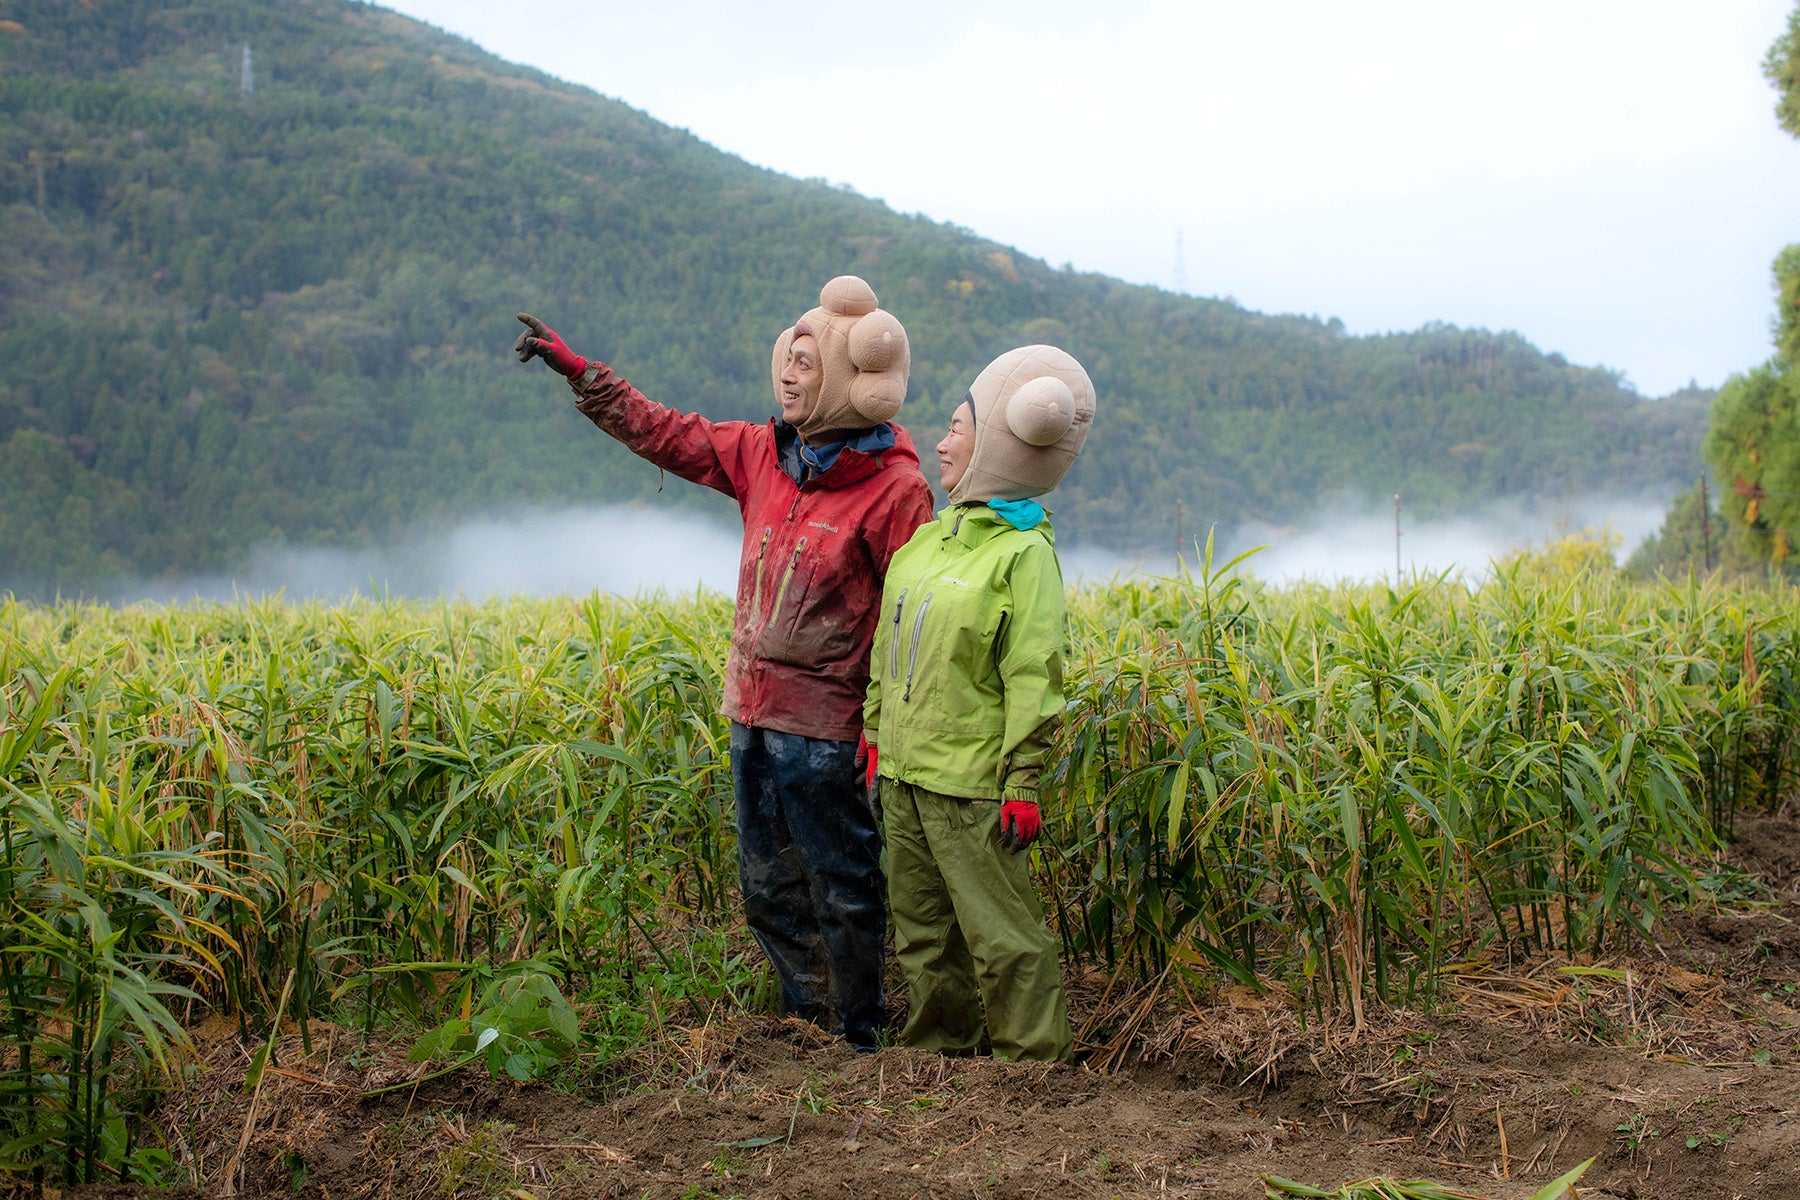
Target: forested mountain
(237,314)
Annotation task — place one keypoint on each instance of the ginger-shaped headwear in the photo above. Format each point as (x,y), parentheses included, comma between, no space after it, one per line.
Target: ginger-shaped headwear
(863,358)
(1033,409)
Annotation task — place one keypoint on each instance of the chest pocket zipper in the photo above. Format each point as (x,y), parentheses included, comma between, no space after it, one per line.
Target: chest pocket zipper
(912,653)
(894,637)
(756,585)
(786,577)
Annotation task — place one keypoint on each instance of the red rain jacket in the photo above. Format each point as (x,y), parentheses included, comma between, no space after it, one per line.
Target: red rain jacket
(815,553)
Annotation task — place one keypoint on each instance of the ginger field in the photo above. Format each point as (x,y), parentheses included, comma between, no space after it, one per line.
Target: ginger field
(280,877)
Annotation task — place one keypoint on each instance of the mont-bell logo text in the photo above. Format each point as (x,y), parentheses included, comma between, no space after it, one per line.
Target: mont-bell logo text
(825,525)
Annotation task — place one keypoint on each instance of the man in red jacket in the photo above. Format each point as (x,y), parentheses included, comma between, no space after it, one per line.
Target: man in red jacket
(828,491)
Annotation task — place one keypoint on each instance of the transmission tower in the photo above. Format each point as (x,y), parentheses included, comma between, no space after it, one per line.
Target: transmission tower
(249,84)
(1181,280)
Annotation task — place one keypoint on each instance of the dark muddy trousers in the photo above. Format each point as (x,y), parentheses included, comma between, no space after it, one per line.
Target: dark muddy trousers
(809,861)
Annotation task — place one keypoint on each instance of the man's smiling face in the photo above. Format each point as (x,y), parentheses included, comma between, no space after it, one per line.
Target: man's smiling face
(801,379)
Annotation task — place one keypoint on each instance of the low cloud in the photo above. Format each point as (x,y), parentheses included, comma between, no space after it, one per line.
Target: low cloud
(620,549)
(1357,543)
(1362,546)
(630,551)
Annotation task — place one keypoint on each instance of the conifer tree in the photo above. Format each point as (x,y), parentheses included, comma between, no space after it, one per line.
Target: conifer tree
(1753,444)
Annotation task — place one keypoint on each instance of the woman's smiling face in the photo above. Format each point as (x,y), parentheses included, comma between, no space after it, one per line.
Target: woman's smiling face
(957,446)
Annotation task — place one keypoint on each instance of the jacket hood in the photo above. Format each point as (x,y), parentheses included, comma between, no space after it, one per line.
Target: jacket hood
(854,463)
(973,523)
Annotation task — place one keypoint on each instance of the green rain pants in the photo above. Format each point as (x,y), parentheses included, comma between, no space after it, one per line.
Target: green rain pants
(969,931)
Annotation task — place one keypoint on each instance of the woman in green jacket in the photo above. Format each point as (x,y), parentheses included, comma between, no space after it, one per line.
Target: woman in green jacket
(964,699)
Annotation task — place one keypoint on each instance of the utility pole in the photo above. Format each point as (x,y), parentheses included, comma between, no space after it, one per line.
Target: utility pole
(1180,541)
(249,82)
(1705,526)
(1396,539)
(36,159)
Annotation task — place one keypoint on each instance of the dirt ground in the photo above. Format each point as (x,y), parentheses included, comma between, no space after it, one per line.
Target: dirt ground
(1674,1069)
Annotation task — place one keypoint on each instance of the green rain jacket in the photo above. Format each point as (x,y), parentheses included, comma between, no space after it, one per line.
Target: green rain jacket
(966,672)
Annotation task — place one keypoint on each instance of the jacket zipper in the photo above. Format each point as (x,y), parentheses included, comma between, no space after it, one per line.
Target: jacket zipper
(894,639)
(912,653)
(756,586)
(781,590)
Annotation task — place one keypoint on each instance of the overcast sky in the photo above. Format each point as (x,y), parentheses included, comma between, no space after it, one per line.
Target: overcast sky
(1606,177)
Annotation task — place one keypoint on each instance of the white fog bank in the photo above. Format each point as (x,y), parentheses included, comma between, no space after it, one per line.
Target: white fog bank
(617,549)
(1358,543)
(626,550)
(1361,545)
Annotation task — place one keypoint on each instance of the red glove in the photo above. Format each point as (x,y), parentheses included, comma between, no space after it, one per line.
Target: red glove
(540,341)
(1020,824)
(866,758)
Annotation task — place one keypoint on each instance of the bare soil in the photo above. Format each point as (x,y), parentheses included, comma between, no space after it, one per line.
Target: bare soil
(1673,1068)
